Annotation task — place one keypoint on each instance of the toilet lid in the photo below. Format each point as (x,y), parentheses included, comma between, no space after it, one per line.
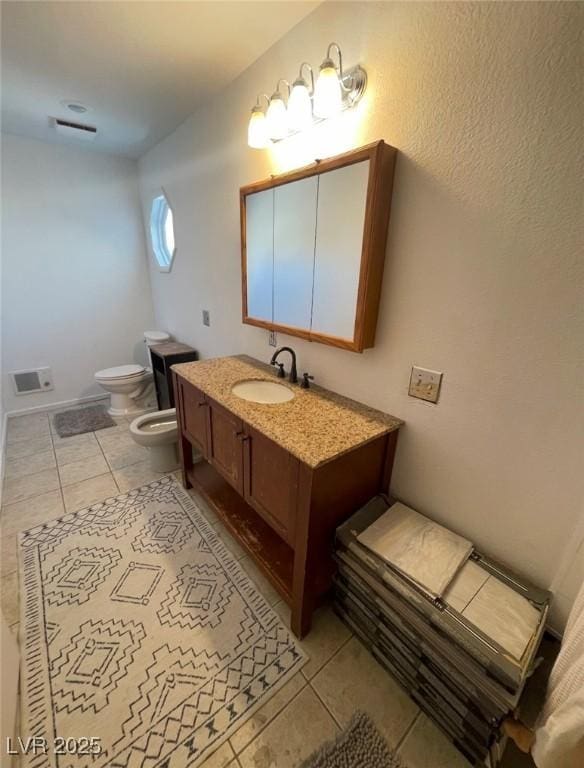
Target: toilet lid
(120,372)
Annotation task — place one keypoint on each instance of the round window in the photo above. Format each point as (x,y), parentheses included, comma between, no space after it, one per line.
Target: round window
(162,232)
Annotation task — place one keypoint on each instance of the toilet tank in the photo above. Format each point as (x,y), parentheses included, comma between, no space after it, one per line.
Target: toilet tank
(156,337)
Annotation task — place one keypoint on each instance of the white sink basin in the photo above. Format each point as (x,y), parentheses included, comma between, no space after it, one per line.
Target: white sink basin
(269,392)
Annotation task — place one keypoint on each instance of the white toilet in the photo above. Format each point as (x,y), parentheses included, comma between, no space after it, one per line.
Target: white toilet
(158,432)
(127,384)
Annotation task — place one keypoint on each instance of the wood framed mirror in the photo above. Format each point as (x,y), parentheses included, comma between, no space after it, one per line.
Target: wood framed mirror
(313,248)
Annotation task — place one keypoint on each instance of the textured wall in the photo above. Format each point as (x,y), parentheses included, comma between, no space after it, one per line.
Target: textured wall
(75,289)
(483,274)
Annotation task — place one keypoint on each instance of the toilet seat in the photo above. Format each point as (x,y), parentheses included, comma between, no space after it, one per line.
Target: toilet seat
(155,428)
(158,432)
(121,372)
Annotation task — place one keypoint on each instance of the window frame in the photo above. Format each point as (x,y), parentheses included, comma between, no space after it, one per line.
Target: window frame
(160,206)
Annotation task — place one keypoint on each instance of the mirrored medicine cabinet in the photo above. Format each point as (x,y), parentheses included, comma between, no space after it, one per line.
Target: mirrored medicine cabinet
(313,248)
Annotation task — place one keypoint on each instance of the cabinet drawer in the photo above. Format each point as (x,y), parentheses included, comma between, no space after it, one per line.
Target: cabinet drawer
(225,448)
(271,483)
(194,415)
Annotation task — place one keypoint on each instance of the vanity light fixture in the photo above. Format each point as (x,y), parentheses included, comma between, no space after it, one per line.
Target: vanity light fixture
(277,114)
(328,98)
(333,86)
(257,134)
(300,103)
(335,90)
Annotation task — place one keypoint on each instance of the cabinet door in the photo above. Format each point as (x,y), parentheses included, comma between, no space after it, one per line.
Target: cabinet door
(194,412)
(294,229)
(226,438)
(271,483)
(342,198)
(259,244)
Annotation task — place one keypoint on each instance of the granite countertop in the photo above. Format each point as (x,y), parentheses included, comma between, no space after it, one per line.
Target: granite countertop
(316,426)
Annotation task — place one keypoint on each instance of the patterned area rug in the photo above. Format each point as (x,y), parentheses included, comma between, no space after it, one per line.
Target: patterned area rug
(139,629)
(76,421)
(359,745)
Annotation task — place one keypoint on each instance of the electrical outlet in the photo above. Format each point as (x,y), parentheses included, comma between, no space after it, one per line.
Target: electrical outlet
(206,317)
(425,384)
(273,339)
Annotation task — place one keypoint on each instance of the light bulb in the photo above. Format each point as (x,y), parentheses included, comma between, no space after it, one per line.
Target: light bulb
(328,100)
(299,107)
(277,118)
(257,136)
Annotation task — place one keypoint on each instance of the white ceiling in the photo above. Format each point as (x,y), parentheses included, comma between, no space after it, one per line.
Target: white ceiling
(141,67)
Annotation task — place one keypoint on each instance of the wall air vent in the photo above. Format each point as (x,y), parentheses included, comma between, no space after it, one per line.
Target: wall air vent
(32,381)
(75,130)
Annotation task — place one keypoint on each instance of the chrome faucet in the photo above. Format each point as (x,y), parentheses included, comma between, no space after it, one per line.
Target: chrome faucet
(293,372)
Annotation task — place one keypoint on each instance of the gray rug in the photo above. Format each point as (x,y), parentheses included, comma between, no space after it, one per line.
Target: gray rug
(140,629)
(359,745)
(79,420)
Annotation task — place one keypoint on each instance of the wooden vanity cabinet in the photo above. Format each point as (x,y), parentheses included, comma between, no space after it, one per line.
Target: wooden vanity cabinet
(282,511)
(271,482)
(193,411)
(225,444)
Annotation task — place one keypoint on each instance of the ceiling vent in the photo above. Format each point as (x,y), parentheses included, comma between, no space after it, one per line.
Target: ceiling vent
(75,130)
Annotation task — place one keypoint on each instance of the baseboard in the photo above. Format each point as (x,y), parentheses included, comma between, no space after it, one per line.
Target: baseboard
(3,452)
(53,406)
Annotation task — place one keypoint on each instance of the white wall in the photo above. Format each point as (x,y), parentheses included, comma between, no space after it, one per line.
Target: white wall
(2,411)
(75,288)
(483,274)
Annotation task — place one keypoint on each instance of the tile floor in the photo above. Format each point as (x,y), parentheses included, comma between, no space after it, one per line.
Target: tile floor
(47,475)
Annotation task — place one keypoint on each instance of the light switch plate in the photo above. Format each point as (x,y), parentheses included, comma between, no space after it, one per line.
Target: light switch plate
(273,339)
(206,317)
(425,384)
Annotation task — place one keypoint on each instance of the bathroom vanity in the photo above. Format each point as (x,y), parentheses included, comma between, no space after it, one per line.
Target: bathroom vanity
(281,475)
